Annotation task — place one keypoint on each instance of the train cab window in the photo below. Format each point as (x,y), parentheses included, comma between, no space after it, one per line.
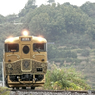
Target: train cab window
(11,47)
(39,47)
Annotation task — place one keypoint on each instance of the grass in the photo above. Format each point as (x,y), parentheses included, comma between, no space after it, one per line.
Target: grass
(3,89)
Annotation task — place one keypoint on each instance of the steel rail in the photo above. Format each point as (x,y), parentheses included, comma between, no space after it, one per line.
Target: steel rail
(89,92)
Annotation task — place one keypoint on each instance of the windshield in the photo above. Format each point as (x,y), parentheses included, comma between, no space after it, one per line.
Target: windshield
(39,47)
(11,47)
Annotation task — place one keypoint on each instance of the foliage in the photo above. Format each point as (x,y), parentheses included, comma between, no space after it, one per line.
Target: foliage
(64,79)
(85,53)
(56,20)
(30,5)
(51,1)
(55,52)
(88,8)
(2,89)
(2,19)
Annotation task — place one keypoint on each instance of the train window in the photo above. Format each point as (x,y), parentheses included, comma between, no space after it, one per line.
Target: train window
(11,47)
(39,47)
(26,49)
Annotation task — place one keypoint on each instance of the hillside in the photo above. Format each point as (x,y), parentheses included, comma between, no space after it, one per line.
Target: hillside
(71,28)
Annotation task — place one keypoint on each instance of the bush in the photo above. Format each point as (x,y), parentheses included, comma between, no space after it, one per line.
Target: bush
(85,53)
(64,79)
(79,51)
(68,60)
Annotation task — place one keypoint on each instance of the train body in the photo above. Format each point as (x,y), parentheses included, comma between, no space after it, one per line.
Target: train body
(25,61)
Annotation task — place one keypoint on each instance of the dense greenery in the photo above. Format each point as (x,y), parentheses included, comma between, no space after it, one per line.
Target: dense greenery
(70,28)
(64,79)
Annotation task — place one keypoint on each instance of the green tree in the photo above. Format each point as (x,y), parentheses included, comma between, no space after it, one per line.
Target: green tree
(30,5)
(38,23)
(85,53)
(2,19)
(51,1)
(89,8)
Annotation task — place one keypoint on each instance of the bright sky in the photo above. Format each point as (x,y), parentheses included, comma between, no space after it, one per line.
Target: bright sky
(14,6)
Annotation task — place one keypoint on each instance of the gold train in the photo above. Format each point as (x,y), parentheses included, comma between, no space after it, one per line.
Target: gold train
(25,61)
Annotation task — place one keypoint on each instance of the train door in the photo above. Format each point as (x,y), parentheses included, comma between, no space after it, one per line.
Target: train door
(25,51)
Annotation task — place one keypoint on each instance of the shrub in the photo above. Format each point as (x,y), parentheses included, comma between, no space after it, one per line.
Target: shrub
(64,79)
(85,53)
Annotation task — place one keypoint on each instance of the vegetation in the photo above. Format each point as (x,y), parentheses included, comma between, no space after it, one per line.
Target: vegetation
(65,79)
(4,89)
(71,29)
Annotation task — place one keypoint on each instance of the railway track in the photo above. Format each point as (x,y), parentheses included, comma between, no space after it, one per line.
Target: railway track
(50,92)
(46,92)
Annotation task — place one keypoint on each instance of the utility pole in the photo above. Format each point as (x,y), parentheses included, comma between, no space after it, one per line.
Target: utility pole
(2,74)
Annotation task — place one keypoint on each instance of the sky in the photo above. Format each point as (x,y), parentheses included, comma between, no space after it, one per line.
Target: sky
(8,7)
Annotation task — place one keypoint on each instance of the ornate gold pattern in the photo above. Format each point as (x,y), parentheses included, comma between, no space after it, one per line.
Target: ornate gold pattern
(20,67)
(26,66)
(15,68)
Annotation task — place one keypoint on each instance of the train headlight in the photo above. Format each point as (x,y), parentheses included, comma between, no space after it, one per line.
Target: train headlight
(11,39)
(25,33)
(40,39)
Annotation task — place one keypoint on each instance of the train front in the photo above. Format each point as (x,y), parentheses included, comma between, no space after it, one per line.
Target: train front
(25,61)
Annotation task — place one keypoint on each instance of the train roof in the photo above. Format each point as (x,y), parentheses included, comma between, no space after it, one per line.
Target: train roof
(33,38)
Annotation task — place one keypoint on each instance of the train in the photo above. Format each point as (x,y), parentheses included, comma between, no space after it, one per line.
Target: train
(25,61)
